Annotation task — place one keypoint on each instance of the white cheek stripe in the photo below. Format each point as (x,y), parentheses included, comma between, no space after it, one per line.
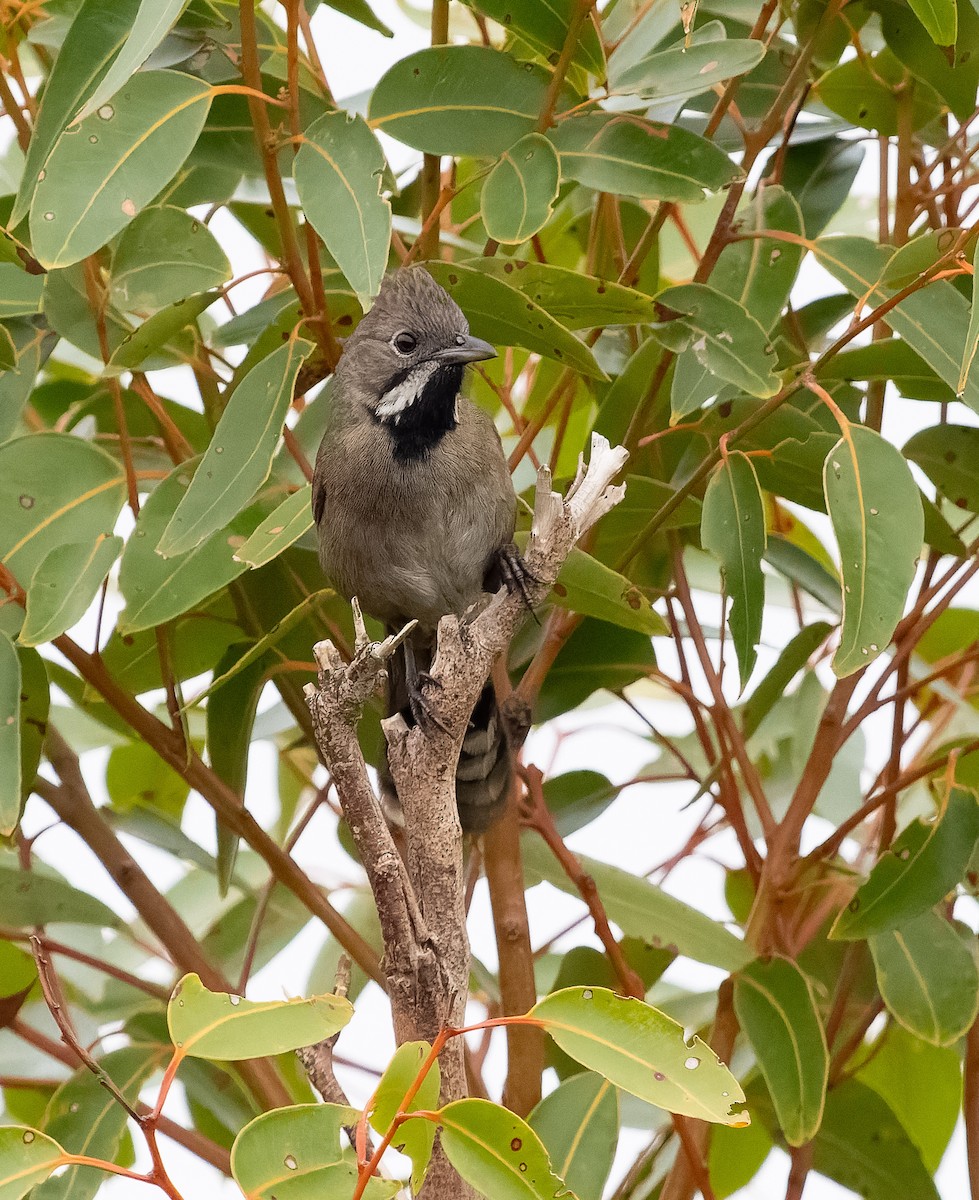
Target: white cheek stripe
(394,402)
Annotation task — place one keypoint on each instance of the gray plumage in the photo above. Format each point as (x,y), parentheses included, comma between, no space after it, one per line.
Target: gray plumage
(412,496)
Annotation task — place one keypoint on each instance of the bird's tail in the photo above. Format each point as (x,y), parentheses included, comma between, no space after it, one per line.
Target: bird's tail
(484,771)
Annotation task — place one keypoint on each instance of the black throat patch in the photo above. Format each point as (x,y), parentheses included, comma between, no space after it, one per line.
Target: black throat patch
(419,426)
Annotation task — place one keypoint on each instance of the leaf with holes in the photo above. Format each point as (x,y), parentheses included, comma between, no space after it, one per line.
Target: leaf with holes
(55,489)
(339,173)
(165,255)
(927,976)
(27,1158)
(588,587)
(239,458)
(642,1050)
(725,338)
(205,1024)
(501,314)
(414,1138)
(93,41)
(158,589)
(579,1125)
(283,526)
(149,27)
(949,456)
(497,1152)
(470,100)
(775,1007)
(733,530)
(104,169)
(577,301)
(520,191)
(64,585)
(875,507)
(919,870)
(626,155)
(294,1154)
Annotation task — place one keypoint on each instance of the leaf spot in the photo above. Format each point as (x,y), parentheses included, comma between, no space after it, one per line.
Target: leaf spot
(106,112)
(659,1076)
(28,1136)
(290,1162)
(129,207)
(49,216)
(691,1063)
(708,67)
(587,994)
(516,1144)
(93,138)
(234,1000)
(26,501)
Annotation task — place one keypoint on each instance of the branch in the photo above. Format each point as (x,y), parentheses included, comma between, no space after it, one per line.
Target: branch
(420,898)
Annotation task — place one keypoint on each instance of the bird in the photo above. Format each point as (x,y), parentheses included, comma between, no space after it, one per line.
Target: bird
(414,506)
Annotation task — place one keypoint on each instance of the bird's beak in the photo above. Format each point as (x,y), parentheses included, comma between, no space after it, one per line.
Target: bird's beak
(467,349)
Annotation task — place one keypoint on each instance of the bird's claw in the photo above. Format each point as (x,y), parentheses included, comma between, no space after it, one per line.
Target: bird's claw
(516,576)
(422,709)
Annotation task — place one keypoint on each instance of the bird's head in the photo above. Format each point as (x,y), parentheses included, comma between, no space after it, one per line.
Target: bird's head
(404,362)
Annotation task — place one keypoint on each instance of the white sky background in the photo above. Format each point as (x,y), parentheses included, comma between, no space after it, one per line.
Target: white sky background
(354,58)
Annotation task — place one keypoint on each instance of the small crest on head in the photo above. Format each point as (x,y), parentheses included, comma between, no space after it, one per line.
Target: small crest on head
(411,291)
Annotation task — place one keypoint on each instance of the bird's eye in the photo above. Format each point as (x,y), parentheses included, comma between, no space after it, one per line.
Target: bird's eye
(405,342)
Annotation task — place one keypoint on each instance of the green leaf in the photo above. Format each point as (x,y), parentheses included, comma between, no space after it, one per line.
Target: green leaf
(875,507)
(735,1156)
(230,714)
(683,71)
(283,526)
(792,659)
(597,655)
(643,1051)
(892,360)
(10,733)
(921,1083)
(725,338)
(578,1124)
(642,910)
(94,39)
(156,332)
(820,174)
(497,1152)
(239,458)
(459,100)
(55,489)
(971,343)
(949,456)
(519,193)
(588,587)
(416,1137)
(924,864)
(35,702)
(928,978)
(626,155)
(163,256)
(577,301)
(150,26)
(27,1158)
(103,170)
(733,530)
(360,11)
(64,585)
(136,777)
(29,898)
(939,17)
(87,1119)
(339,173)
(294,1154)
(775,1007)
(577,798)
(545,27)
(933,321)
(158,589)
(760,273)
(501,314)
(206,1024)
(20,293)
(865,92)
(862,1146)
(32,346)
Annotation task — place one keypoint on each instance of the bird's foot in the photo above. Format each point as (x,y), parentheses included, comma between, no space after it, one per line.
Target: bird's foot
(515,575)
(422,709)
